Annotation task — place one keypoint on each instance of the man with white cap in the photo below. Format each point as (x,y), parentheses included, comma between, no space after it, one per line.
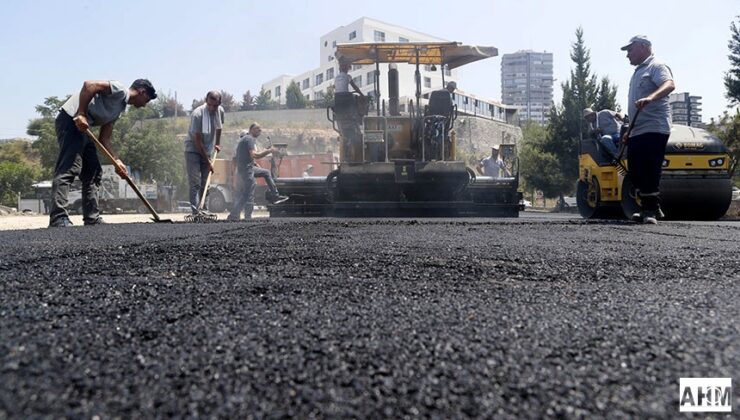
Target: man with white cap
(493,165)
(606,125)
(650,85)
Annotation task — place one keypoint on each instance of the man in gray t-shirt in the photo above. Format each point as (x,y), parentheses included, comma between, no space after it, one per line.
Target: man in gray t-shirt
(204,137)
(650,85)
(98,104)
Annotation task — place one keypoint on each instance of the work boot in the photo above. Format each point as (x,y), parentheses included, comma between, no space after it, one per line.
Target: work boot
(98,221)
(60,222)
(637,217)
(234,218)
(648,217)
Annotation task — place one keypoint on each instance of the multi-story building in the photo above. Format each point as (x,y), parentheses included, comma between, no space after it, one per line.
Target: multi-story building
(314,83)
(526,83)
(685,109)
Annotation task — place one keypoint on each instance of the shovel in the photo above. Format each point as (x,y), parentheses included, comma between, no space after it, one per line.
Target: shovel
(128,179)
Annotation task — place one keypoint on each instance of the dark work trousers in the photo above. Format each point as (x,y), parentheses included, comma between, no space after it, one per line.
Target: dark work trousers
(245,185)
(269,180)
(197,170)
(77,158)
(645,155)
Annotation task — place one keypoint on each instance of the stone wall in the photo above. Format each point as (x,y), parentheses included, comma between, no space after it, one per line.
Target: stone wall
(309,131)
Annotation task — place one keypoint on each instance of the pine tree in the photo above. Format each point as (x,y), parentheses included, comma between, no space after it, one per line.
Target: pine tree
(294,99)
(247,101)
(732,77)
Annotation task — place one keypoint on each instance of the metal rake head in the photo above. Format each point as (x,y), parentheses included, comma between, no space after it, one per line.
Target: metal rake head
(201,217)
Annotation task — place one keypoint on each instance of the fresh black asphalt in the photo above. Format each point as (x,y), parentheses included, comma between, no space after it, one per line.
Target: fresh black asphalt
(366,318)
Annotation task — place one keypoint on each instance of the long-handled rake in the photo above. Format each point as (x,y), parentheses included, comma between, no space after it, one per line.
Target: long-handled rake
(202,215)
(128,179)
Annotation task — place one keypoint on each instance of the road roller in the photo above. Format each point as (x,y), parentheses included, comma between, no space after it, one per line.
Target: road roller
(402,164)
(696,181)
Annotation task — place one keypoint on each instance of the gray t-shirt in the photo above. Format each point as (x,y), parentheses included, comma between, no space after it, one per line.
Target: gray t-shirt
(493,167)
(196,126)
(103,108)
(244,161)
(606,120)
(656,116)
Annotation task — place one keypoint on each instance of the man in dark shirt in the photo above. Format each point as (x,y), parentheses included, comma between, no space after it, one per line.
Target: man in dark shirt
(244,161)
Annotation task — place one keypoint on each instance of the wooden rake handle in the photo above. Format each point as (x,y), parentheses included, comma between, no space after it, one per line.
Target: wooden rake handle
(202,202)
(128,179)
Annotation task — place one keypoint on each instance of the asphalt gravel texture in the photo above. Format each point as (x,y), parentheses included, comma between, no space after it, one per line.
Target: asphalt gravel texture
(325,318)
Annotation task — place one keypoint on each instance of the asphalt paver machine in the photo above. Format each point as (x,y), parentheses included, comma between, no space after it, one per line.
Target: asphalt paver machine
(401,164)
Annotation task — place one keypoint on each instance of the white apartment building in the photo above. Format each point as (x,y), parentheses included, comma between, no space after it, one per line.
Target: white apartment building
(314,83)
(526,83)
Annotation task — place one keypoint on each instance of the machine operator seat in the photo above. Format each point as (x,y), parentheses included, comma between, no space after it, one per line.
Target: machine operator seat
(438,119)
(440,103)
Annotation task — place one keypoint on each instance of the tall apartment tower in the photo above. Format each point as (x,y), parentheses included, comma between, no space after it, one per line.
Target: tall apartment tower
(526,83)
(685,109)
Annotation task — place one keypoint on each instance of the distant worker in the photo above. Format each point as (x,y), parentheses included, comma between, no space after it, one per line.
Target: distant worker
(650,85)
(493,165)
(606,126)
(98,104)
(347,112)
(245,164)
(204,136)
(308,172)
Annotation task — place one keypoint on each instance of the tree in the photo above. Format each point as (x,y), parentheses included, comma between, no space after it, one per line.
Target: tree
(554,159)
(264,100)
(197,102)
(540,168)
(15,177)
(606,97)
(732,77)
(167,106)
(294,99)
(329,97)
(247,102)
(728,130)
(228,102)
(43,129)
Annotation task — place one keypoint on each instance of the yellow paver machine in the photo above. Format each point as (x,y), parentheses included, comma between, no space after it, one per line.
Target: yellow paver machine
(401,161)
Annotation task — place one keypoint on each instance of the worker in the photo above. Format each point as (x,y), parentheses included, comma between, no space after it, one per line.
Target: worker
(98,104)
(308,172)
(204,136)
(650,85)
(493,165)
(606,126)
(347,114)
(245,164)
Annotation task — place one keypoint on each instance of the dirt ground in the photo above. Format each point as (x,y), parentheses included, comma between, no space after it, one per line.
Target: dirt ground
(37,221)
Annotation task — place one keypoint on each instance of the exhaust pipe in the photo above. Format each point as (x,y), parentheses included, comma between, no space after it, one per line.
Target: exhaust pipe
(393,90)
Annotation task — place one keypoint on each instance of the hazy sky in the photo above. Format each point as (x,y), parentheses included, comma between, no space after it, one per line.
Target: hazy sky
(49,47)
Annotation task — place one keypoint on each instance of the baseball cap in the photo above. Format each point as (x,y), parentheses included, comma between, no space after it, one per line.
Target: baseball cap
(642,39)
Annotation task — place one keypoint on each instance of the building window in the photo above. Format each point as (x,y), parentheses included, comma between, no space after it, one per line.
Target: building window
(306,83)
(352,35)
(356,67)
(330,73)
(319,79)
(319,96)
(447,70)
(379,36)
(277,91)
(370,77)
(334,44)
(308,97)
(402,39)
(427,82)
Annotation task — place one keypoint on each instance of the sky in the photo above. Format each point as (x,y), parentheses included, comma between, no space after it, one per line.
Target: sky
(49,47)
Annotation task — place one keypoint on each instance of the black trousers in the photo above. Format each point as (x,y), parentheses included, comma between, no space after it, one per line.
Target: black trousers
(77,158)
(645,156)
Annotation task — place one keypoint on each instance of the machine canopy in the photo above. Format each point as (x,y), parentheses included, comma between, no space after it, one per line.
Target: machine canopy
(453,54)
